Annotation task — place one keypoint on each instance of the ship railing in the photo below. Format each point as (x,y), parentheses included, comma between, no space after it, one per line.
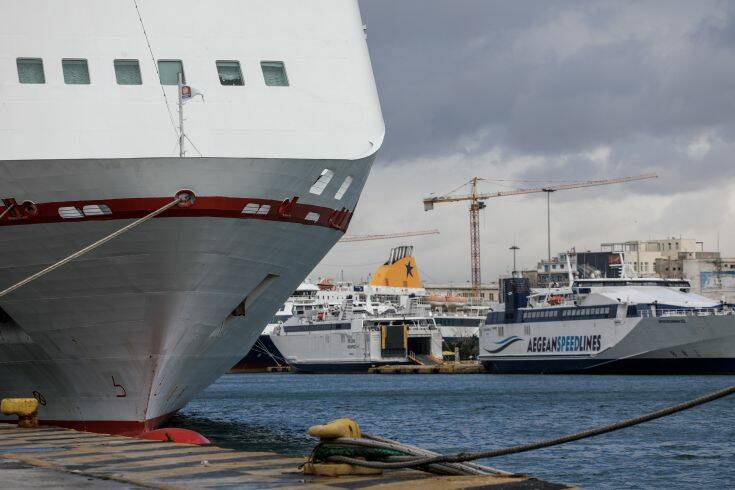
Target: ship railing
(687,312)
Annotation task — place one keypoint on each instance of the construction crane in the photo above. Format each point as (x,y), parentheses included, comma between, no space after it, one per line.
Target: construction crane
(477,204)
(365,238)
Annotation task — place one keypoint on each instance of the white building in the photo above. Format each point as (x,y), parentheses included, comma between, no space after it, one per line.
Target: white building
(486,292)
(641,255)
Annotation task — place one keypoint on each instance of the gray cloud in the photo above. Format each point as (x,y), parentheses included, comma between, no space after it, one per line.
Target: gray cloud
(555,78)
(548,89)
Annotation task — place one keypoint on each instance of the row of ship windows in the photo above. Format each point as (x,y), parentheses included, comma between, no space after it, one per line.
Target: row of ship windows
(127,72)
(587,311)
(566,313)
(253,209)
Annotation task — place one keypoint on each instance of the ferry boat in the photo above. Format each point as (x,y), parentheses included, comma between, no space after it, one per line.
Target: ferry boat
(611,326)
(353,343)
(383,322)
(272,163)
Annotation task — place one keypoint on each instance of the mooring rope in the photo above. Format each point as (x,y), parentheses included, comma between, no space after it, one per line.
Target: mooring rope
(7,210)
(263,349)
(421,462)
(155,65)
(181,197)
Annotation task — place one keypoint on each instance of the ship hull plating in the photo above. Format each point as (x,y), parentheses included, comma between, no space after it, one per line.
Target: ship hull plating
(124,336)
(612,366)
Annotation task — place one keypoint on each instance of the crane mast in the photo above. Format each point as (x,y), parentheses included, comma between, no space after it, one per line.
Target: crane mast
(475,206)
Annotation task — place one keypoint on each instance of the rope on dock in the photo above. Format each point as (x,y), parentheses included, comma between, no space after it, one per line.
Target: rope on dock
(411,459)
(181,198)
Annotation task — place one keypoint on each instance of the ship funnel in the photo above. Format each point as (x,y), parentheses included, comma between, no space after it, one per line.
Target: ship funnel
(514,291)
(399,271)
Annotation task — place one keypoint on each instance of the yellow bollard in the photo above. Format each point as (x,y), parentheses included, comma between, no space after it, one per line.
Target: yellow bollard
(334,430)
(25,408)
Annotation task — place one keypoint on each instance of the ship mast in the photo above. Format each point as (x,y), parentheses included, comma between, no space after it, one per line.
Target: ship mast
(182,135)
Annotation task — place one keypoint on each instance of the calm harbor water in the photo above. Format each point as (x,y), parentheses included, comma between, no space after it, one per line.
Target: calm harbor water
(470,412)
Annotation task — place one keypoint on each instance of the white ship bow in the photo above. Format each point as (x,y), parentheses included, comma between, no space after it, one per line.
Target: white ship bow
(124,336)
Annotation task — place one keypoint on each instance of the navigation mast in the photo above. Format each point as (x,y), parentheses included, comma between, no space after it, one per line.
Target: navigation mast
(182,135)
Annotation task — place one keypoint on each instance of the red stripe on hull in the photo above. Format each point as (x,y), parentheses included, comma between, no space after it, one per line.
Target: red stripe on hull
(128,428)
(290,211)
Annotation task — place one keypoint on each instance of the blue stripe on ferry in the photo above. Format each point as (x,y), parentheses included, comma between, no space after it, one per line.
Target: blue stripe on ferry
(500,342)
(505,343)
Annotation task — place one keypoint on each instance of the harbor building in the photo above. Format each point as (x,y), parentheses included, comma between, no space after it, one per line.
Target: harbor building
(487,292)
(585,264)
(533,277)
(641,255)
(709,274)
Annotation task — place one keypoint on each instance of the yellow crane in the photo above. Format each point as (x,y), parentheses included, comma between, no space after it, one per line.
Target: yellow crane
(477,203)
(406,234)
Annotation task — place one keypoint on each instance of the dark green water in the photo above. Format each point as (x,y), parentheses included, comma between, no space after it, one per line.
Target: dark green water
(471,412)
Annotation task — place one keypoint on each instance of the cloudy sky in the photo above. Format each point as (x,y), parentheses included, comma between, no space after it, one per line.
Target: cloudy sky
(557,90)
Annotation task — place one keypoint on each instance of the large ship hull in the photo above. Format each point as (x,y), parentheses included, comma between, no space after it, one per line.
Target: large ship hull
(124,336)
(681,344)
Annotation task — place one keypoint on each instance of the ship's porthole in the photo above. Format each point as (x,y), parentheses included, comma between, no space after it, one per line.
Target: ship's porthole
(70,212)
(321,183)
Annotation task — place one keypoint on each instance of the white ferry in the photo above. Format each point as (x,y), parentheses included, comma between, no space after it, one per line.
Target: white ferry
(272,161)
(351,343)
(616,326)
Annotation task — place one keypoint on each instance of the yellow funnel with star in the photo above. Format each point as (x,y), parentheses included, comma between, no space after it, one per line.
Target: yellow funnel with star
(400,271)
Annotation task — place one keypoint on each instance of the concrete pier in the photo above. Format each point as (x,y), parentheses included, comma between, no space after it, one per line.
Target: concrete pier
(463,367)
(63,458)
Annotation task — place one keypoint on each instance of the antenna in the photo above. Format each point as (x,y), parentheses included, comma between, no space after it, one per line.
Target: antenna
(514,248)
(182,135)
(570,274)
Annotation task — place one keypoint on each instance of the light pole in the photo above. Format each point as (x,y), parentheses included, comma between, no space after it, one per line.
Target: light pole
(514,248)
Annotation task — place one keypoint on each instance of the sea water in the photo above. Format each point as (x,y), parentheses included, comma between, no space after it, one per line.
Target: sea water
(453,413)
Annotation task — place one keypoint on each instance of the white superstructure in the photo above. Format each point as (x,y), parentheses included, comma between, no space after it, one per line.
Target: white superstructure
(279,152)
